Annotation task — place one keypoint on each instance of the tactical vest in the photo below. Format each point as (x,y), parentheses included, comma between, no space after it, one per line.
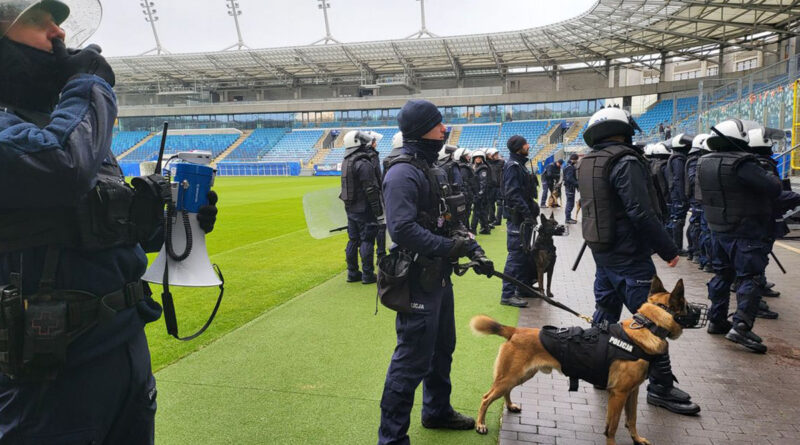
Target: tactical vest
(467,177)
(688,184)
(448,166)
(352,191)
(600,205)
(497,172)
(483,179)
(670,173)
(657,168)
(726,200)
(587,354)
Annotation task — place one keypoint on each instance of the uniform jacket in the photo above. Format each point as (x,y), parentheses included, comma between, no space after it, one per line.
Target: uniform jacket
(55,166)
(676,169)
(570,178)
(518,188)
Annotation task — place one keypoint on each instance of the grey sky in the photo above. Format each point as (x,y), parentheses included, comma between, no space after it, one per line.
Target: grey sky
(204,25)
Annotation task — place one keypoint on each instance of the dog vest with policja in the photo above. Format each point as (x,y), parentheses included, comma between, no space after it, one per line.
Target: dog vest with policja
(587,354)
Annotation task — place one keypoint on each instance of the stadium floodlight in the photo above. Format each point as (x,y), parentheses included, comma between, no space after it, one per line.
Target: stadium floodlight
(149,10)
(423,31)
(324,5)
(235,11)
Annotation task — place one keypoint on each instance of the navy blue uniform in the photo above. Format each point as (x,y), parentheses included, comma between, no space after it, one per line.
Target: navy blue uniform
(693,231)
(483,197)
(676,171)
(362,223)
(551,175)
(740,255)
(570,186)
(380,237)
(426,338)
(520,205)
(106,391)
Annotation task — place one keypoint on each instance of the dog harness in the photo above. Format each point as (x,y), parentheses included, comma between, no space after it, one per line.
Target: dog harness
(587,354)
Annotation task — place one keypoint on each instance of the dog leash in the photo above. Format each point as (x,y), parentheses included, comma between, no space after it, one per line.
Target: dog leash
(461,269)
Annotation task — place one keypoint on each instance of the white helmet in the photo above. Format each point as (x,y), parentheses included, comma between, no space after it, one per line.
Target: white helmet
(459,153)
(681,142)
(762,137)
(734,136)
(443,154)
(397,140)
(658,149)
(377,137)
(699,143)
(468,154)
(357,138)
(478,154)
(609,122)
(491,152)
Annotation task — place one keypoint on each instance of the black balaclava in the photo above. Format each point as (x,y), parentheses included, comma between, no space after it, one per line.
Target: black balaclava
(29,79)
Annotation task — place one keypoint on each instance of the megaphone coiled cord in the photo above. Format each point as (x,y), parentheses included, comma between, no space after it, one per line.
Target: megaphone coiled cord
(187,227)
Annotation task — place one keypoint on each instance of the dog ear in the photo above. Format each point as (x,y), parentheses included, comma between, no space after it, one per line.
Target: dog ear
(543,218)
(676,298)
(657,287)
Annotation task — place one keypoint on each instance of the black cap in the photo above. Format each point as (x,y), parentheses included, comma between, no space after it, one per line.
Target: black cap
(573,157)
(515,143)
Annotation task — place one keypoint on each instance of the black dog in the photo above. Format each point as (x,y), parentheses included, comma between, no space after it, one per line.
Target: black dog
(544,251)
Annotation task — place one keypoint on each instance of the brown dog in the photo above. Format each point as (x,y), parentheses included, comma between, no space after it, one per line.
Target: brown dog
(524,354)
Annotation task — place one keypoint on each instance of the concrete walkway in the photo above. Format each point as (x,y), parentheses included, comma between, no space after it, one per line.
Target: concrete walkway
(745,398)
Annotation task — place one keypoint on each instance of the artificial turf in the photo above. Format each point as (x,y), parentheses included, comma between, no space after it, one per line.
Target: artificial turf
(311,368)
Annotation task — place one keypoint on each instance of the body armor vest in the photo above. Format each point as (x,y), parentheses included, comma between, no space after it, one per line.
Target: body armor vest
(468,178)
(688,183)
(657,171)
(449,166)
(600,205)
(671,174)
(353,195)
(483,179)
(587,354)
(726,201)
(497,172)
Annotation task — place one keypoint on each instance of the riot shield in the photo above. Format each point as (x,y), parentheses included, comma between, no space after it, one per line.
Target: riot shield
(324,211)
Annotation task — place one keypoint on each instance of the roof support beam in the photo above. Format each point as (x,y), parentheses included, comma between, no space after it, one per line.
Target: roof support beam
(360,65)
(581,59)
(457,69)
(502,70)
(318,70)
(745,5)
(408,69)
(282,75)
(535,52)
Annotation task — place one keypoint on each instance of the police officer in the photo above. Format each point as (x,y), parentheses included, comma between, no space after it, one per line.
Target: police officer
(450,167)
(375,159)
(570,185)
(483,179)
(361,193)
(616,187)
(397,150)
(496,163)
(81,380)
(658,155)
(462,155)
(676,178)
(694,251)
(426,335)
(520,210)
(738,197)
(551,176)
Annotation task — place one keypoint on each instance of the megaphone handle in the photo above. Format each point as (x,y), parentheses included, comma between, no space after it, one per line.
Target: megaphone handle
(171,319)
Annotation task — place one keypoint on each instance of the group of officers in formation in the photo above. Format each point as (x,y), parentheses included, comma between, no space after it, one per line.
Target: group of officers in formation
(634,202)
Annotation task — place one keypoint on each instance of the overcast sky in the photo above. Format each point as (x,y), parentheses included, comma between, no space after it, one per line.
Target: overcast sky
(204,25)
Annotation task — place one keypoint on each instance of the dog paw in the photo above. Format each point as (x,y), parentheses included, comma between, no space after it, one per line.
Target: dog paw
(481,429)
(514,408)
(641,441)
(550,295)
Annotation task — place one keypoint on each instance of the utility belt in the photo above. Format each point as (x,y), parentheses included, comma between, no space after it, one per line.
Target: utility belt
(112,214)
(35,330)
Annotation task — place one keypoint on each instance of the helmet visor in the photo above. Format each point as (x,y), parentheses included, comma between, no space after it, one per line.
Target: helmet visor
(79,18)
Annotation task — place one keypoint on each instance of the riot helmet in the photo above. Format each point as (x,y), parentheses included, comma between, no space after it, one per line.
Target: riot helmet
(490,153)
(478,154)
(762,139)
(658,151)
(681,143)
(447,151)
(728,135)
(397,140)
(459,153)
(79,18)
(356,139)
(698,143)
(609,122)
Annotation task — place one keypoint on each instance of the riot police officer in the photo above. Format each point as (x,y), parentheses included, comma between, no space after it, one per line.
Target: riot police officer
(462,156)
(658,156)
(676,179)
(413,191)
(520,211)
(69,255)
(694,251)
(361,193)
(570,185)
(621,226)
(375,159)
(483,178)
(738,197)
(496,163)
(450,167)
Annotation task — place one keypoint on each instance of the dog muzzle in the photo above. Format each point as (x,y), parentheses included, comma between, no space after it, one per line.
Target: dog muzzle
(696,316)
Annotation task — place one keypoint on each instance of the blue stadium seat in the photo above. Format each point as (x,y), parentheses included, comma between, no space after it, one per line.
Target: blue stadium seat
(260,141)
(124,140)
(215,143)
(293,147)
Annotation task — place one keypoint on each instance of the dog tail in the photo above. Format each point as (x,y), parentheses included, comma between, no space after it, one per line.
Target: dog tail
(481,324)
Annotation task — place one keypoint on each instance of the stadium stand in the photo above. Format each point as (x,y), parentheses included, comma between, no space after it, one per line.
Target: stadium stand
(262,140)
(294,146)
(479,136)
(124,140)
(215,143)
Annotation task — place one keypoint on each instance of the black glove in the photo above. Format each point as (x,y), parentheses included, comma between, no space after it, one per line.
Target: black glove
(484,265)
(460,247)
(207,214)
(85,61)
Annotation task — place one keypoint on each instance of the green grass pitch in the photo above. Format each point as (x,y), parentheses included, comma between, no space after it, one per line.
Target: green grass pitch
(296,355)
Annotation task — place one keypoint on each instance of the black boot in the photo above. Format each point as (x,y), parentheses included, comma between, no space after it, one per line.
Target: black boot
(719,327)
(661,392)
(764,312)
(369,278)
(742,334)
(353,276)
(514,301)
(453,421)
(769,292)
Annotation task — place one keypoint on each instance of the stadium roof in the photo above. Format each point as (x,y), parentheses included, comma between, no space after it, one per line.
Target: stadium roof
(611,31)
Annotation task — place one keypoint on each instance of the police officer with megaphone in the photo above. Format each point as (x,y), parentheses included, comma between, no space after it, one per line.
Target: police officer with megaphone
(74,358)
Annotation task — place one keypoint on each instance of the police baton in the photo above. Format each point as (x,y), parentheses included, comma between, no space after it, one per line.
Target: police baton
(580,255)
(777,261)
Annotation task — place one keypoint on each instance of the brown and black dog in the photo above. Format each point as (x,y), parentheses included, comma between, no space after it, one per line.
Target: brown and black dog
(544,251)
(523,355)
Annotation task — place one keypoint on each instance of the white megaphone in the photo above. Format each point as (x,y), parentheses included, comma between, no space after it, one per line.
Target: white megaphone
(184,253)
